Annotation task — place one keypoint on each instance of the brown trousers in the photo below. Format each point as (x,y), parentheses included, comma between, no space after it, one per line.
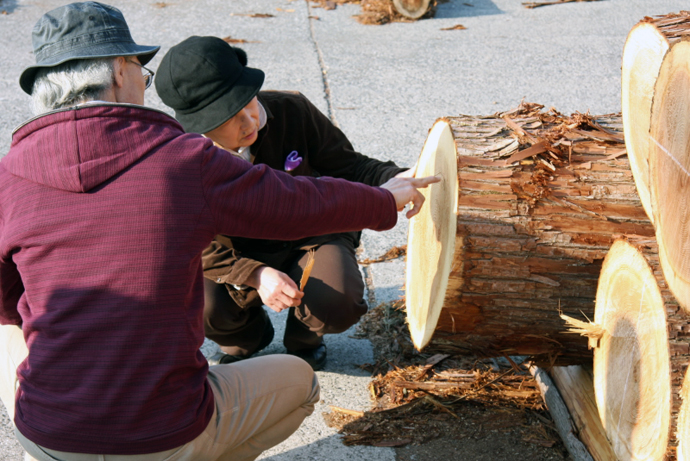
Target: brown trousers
(333,302)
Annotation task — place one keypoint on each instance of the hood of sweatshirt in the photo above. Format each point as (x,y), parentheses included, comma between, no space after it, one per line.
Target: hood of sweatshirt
(80,148)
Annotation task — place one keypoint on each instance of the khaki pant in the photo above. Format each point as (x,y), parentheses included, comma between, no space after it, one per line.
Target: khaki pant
(259,403)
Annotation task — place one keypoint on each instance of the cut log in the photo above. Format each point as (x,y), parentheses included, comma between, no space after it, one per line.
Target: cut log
(644,50)
(560,415)
(640,353)
(413,9)
(433,231)
(670,169)
(541,199)
(575,384)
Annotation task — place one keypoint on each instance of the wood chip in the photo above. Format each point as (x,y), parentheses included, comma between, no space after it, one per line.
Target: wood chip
(345,411)
(229,39)
(254,15)
(307,270)
(455,27)
(532,5)
(389,255)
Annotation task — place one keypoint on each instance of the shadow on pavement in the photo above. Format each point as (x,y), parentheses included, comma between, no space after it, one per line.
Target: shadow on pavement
(466,8)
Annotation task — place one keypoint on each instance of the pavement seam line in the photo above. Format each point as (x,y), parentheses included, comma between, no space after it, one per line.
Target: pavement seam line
(322,66)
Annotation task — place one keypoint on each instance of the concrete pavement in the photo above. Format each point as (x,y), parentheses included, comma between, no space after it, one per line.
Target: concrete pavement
(385,86)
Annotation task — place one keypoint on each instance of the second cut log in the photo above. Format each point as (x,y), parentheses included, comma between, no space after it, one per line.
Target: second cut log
(541,199)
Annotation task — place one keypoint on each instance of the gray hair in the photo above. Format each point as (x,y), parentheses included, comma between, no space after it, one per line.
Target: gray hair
(71,83)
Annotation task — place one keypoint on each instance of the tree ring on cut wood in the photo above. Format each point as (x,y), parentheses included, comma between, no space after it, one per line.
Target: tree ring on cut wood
(670,169)
(413,9)
(644,51)
(431,235)
(632,362)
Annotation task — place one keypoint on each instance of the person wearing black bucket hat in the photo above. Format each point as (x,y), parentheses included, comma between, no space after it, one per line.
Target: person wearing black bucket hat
(106,207)
(213,92)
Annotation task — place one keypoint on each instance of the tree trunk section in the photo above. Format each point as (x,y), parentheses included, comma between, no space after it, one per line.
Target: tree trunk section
(542,197)
(641,353)
(413,9)
(644,51)
(575,384)
(560,415)
(669,160)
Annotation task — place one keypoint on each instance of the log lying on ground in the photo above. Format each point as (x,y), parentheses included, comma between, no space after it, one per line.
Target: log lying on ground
(575,384)
(561,416)
(644,50)
(669,172)
(541,199)
(413,9)
(641,341)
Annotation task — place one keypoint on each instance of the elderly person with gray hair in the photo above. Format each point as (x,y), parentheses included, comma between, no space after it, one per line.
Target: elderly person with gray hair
(105,208)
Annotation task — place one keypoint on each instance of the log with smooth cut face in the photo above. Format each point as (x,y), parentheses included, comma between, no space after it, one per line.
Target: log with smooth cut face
(413,9)
(431,237)
(632,362)
(669,162)
(644,51)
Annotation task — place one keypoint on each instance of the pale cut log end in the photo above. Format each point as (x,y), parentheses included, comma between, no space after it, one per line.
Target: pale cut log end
(413,9)
(632,363)
(643,54)
(683,428)
(431,235)
(589,329)
(669,166)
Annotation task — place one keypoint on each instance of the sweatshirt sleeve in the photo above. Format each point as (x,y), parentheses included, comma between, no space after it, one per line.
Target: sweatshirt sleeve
(256,201)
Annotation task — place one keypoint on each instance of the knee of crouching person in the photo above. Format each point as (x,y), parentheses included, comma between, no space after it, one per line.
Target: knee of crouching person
(345,314)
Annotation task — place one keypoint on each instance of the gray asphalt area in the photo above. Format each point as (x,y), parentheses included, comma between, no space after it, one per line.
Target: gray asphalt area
(384,86)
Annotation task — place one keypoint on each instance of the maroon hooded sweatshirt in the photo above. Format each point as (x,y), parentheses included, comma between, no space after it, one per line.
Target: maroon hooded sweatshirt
(104,212)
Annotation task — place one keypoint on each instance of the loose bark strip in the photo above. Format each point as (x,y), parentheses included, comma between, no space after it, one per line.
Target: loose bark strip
(645,48)
(575,384)
(531,234)
(560,415)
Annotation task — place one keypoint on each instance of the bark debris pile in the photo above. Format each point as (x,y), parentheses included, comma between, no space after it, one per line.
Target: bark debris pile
(374,12)
(419,397)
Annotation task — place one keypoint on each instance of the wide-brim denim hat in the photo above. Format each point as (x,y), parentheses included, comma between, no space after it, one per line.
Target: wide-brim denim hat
(207,82)
(81,31)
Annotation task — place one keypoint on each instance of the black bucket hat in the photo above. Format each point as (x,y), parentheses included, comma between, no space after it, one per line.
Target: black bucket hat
(81,31)
(207,82)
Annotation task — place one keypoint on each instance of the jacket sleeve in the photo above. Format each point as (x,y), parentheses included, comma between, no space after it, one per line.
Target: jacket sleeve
(334,155)
(223,265)
(256,201)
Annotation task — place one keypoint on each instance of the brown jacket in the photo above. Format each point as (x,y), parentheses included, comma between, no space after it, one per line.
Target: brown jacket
(293,124)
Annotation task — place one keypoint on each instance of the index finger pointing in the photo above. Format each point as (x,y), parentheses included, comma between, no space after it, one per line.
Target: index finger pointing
(423,182)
